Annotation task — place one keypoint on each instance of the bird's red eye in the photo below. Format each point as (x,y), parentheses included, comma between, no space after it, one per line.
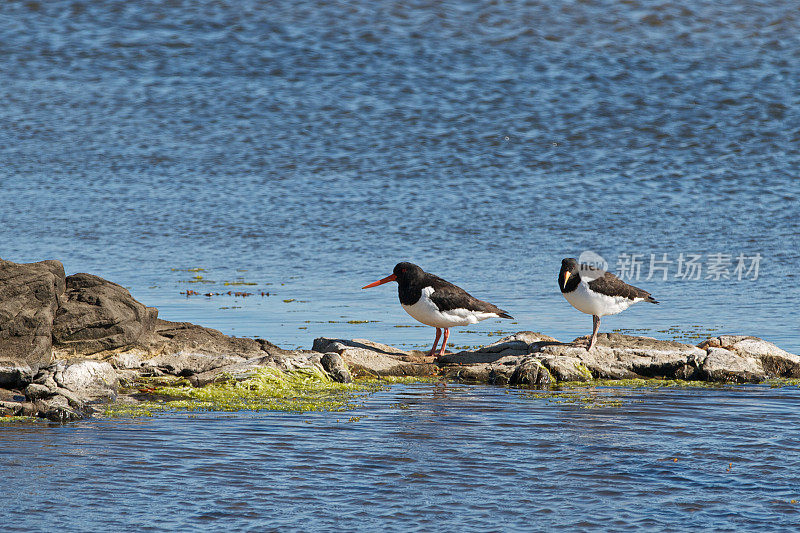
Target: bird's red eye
(403,270)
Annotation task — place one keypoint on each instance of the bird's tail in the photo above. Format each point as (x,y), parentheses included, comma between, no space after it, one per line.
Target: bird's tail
(503,314)
(651,299)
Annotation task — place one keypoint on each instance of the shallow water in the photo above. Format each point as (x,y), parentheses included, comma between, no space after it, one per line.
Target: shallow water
(423,457)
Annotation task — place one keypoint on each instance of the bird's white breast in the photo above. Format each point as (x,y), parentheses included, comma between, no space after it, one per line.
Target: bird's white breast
(425,311)
(594,303)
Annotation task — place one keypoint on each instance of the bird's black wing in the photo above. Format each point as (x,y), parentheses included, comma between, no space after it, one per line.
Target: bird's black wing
(447,296)
(611,285)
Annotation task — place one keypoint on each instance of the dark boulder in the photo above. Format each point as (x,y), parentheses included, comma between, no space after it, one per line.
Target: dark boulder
(30,294)
(99,315)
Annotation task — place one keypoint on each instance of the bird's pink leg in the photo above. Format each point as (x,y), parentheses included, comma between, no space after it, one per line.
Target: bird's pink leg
(596,326)
(444,341)
(435,342)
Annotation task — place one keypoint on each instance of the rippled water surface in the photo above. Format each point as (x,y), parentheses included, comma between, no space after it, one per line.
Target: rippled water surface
(423,458)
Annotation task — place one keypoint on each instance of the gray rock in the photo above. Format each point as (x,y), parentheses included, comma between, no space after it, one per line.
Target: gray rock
(515,345)
(727,366)
(622,357)
(76,401)
(29,297)
(89,379)
(10,408)
(35,391)
(99,315)
(7,395)
(58,410)
(188,363)
(776,363)
(237,371)
(45,377)
(15,374)
(335,366)
(365,357)
(126,361)
(171,337)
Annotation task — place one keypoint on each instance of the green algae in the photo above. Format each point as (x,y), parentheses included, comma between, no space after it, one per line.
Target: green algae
(582,369)
(267,389)
(18,419)
(783,382)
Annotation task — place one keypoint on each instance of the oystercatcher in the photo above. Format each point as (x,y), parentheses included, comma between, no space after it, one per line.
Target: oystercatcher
(597,292)
(436,302)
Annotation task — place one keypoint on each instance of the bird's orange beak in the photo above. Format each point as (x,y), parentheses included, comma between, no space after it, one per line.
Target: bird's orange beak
(387,279)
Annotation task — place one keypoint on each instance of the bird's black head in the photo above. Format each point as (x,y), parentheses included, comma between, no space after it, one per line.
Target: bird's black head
(569,277)
(405,272)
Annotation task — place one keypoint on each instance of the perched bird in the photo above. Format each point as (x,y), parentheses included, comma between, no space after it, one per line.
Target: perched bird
(436,302)
(597,292)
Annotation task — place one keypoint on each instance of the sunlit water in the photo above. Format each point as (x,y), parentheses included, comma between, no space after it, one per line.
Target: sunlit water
(423,458)
(306,147)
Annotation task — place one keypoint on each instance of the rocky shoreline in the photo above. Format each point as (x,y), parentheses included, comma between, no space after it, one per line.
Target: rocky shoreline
(70,344)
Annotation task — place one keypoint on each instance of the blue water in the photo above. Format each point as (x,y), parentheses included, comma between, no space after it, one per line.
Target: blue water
(307,147)
(422,458)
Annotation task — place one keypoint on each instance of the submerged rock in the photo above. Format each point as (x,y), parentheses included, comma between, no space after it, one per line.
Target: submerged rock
(335,366)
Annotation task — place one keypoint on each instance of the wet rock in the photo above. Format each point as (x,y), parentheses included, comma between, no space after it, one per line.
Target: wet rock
(58,409)
(365,357)
(335,366)
(99,315)
(500,375)
(479,373)
(727,366)
(566,368)
(531,373)
(34,391)
(29,297)
(11,408)
(89,379)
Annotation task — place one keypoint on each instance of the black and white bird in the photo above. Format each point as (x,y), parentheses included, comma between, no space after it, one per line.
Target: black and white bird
(597,292)
(436,302)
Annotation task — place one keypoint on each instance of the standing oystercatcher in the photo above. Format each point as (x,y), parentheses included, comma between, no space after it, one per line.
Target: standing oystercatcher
(436,302)
(597,292)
